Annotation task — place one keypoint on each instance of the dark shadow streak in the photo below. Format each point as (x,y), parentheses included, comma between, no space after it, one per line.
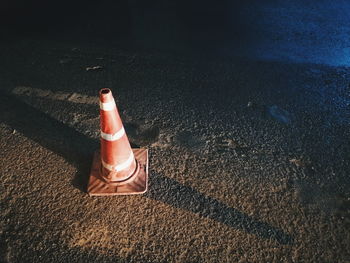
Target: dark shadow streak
(172,192)
(77,149)
(52,134)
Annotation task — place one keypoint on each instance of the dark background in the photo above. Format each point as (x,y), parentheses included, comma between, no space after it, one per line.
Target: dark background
(161,24)
(290,31)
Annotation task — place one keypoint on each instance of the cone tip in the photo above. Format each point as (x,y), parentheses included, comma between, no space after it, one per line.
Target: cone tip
(105,95)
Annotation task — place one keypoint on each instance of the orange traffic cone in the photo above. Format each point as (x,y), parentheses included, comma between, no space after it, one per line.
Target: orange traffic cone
(116,169)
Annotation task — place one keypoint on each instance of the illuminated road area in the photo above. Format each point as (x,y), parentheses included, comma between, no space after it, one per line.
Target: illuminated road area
(249,148)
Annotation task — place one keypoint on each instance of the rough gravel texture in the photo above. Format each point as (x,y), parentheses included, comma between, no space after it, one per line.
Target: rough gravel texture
(249,159)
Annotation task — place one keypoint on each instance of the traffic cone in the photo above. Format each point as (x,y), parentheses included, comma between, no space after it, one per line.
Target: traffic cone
(117,169)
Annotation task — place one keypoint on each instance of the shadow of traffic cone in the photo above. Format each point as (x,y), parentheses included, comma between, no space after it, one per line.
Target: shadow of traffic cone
(117,169)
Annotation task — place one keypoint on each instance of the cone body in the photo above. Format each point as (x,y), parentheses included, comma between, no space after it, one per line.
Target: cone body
(117,158)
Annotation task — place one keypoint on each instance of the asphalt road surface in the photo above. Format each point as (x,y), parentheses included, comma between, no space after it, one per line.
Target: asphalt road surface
(249,140)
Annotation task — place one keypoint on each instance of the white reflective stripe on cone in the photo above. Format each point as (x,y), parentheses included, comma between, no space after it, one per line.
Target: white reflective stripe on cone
(113,137)
(107,166)
(107,106)
(121,166)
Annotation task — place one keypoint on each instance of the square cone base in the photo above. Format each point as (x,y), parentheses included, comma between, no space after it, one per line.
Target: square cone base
(97,187)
